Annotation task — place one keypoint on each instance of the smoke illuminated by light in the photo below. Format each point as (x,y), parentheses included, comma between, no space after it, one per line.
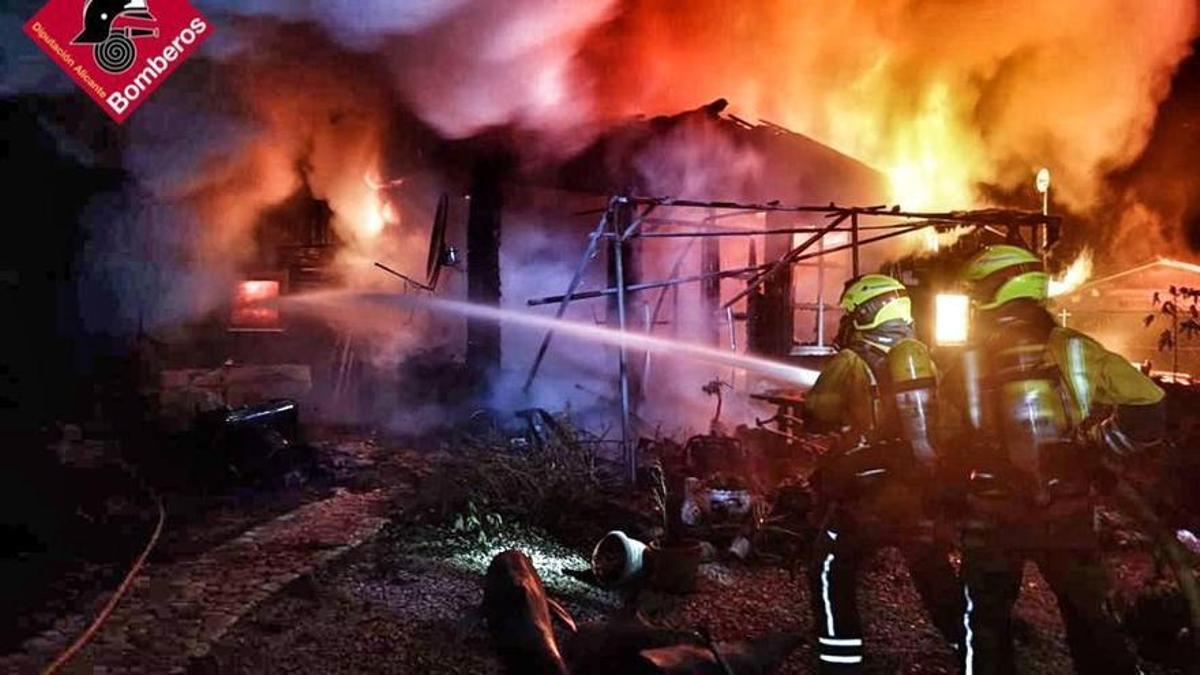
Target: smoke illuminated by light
(942,98)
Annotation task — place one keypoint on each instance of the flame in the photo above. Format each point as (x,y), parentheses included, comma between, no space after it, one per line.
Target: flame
(929,158)
(933,240)
(373,181)
(379,209)
(249,310)
(1075,275)
(941,97)
(929,238)
(371,220)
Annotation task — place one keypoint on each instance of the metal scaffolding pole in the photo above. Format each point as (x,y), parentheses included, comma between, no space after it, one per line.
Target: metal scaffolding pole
(628,452)
(589,252)
(604,292)
(854,242)
(787,259)
(821,293)
(663,294)
(621,225)
(649,285)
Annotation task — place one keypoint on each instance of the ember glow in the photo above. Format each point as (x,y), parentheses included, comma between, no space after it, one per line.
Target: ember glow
(251,306)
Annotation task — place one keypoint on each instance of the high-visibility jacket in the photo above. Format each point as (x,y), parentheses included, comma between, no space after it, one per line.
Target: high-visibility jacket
(883,394)
(1097,377)
(843,395)
(877,389)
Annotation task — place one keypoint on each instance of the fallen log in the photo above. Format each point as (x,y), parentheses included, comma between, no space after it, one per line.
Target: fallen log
(517,611)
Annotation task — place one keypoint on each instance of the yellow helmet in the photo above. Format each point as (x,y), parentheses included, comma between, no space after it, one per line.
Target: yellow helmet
(874,299)
(1002,273)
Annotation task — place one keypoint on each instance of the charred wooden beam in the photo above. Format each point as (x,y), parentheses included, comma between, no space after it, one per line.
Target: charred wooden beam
(770,323)
(625,310)
(483,265)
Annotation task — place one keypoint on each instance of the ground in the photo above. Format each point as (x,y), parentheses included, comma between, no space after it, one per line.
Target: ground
(368,613)
(331,586)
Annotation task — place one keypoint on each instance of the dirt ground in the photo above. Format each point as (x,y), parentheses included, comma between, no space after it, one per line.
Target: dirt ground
(400,605)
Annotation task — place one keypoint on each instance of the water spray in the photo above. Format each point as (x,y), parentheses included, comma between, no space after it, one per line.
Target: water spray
(795,375)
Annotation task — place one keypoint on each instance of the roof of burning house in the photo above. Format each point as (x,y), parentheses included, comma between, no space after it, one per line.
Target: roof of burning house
(706,153)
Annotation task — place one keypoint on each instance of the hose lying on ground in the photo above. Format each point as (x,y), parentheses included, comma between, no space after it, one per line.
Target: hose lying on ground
(69,653)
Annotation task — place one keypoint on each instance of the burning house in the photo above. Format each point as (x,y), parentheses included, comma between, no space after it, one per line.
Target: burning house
(507,219)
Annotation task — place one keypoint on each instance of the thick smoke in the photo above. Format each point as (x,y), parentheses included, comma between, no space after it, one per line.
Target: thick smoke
(1156,203)
(952,101)
(941,96)
(465,65)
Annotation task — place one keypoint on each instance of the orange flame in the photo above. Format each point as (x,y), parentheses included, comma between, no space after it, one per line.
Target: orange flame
(1073,275)
(940,97)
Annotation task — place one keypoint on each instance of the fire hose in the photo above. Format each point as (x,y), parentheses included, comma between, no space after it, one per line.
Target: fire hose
(57,664)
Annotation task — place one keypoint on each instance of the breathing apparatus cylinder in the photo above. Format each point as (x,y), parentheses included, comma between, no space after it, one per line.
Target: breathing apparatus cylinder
(1031,404)
(913,383)
(973,372)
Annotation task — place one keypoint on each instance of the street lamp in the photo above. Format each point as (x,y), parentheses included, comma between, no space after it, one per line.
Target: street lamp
(1043,186)
(1041,234)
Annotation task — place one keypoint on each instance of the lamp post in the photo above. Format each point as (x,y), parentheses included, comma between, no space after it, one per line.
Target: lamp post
(1043,186)
(1042,181)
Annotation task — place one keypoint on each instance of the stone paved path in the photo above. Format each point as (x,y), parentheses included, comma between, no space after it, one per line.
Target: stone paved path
(176,612)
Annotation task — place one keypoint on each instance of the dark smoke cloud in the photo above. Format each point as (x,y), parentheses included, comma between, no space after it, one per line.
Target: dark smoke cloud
(463,65)
(23,67)
(1156,205)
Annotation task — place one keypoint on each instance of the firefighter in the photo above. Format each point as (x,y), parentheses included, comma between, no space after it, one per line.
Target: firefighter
(878,395)
(1042,404)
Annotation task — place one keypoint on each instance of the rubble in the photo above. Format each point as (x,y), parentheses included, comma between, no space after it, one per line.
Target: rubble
(184,393)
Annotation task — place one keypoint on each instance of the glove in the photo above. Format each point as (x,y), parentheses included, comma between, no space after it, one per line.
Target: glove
(1130,430)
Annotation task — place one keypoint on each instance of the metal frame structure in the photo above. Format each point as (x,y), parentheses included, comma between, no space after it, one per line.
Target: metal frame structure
(625,218)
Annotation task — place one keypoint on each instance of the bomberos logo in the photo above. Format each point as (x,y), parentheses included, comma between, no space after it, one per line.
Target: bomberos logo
(118,51)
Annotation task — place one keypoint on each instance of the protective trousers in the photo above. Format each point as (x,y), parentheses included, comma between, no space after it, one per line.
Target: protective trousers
(833,575)
(992,582)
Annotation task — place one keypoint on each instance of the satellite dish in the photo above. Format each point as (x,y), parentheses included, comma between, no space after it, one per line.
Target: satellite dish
(439,253)
(1043,180)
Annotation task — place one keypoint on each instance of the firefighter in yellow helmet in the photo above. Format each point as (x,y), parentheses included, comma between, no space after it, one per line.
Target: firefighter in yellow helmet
(878,395)
(1042,403)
